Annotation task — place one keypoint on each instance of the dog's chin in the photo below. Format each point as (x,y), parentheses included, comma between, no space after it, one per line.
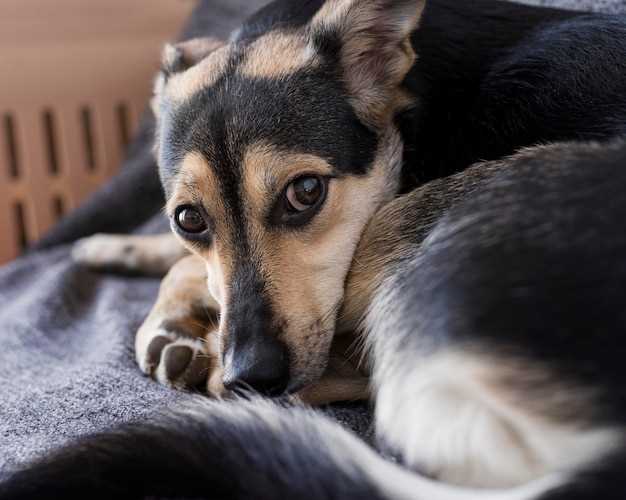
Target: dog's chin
(307,371)
(306,378)
(295,386)
(302,381)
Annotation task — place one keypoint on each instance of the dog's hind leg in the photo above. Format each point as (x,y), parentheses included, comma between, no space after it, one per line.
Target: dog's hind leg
(490,368)
(178,342)
(150,254)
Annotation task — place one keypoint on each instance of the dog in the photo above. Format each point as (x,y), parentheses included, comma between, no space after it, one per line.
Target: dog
(445,179)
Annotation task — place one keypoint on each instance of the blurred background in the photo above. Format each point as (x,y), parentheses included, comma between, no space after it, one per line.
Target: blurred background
(76,76)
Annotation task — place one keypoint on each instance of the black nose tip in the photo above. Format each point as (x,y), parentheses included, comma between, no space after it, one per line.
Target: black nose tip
(261,365)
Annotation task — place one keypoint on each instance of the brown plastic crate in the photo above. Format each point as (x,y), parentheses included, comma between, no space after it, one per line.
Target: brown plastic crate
(74,77)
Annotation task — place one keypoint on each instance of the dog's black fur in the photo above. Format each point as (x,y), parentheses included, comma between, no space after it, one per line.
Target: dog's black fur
(495,76)
(491,77)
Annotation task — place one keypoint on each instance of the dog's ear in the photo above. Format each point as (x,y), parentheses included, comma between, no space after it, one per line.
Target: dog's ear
(180,57)
(372,39)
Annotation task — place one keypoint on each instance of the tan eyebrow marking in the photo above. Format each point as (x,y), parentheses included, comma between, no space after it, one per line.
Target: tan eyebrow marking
(278,54)
(267,169)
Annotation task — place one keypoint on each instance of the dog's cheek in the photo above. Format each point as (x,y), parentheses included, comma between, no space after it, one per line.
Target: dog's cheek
(217,275)
(311,304)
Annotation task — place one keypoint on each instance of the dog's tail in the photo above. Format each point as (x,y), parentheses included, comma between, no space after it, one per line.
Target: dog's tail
(241,450)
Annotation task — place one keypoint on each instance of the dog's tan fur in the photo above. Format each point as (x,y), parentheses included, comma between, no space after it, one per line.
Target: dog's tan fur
(262,61)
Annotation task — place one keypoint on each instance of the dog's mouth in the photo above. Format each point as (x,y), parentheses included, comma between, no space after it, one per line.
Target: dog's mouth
(309,366)
(243,391)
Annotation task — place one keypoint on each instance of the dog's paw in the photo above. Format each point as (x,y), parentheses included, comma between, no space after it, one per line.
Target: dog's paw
(182,363)
(178,360)
(106,251)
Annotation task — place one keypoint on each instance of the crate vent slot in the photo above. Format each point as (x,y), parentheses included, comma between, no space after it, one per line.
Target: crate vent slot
(86,118)
(50,139)
(19,217)
(123,124)
(58,207)
(13,163)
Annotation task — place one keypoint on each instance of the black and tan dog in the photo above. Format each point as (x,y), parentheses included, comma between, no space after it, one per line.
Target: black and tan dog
(348,166)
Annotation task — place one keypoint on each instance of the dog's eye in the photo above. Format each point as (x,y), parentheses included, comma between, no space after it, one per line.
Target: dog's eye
(190,220)
(305,193)
(300,201)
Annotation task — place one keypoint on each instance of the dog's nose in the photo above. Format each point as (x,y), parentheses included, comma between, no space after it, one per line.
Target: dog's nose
(262,365)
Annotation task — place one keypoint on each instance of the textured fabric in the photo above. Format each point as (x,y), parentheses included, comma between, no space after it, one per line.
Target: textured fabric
(66,359)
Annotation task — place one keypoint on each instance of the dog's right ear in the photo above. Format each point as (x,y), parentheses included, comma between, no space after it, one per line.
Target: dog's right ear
(179,57)
(182,56)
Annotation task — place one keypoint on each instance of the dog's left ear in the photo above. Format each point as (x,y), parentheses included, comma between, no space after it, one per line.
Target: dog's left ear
(179,57)
(372,39)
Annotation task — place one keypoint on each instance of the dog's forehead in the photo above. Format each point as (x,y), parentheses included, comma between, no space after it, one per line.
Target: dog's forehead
(295,107)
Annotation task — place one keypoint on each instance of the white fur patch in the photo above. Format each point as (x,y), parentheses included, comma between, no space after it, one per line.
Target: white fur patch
(447,422)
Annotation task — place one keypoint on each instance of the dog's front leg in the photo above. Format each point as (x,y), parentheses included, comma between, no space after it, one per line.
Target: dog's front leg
(178,342)
(142,254)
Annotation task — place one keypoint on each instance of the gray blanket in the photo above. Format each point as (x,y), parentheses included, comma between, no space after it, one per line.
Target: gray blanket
(66,334)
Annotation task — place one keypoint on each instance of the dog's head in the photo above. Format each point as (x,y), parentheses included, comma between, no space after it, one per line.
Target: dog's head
(274,152)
